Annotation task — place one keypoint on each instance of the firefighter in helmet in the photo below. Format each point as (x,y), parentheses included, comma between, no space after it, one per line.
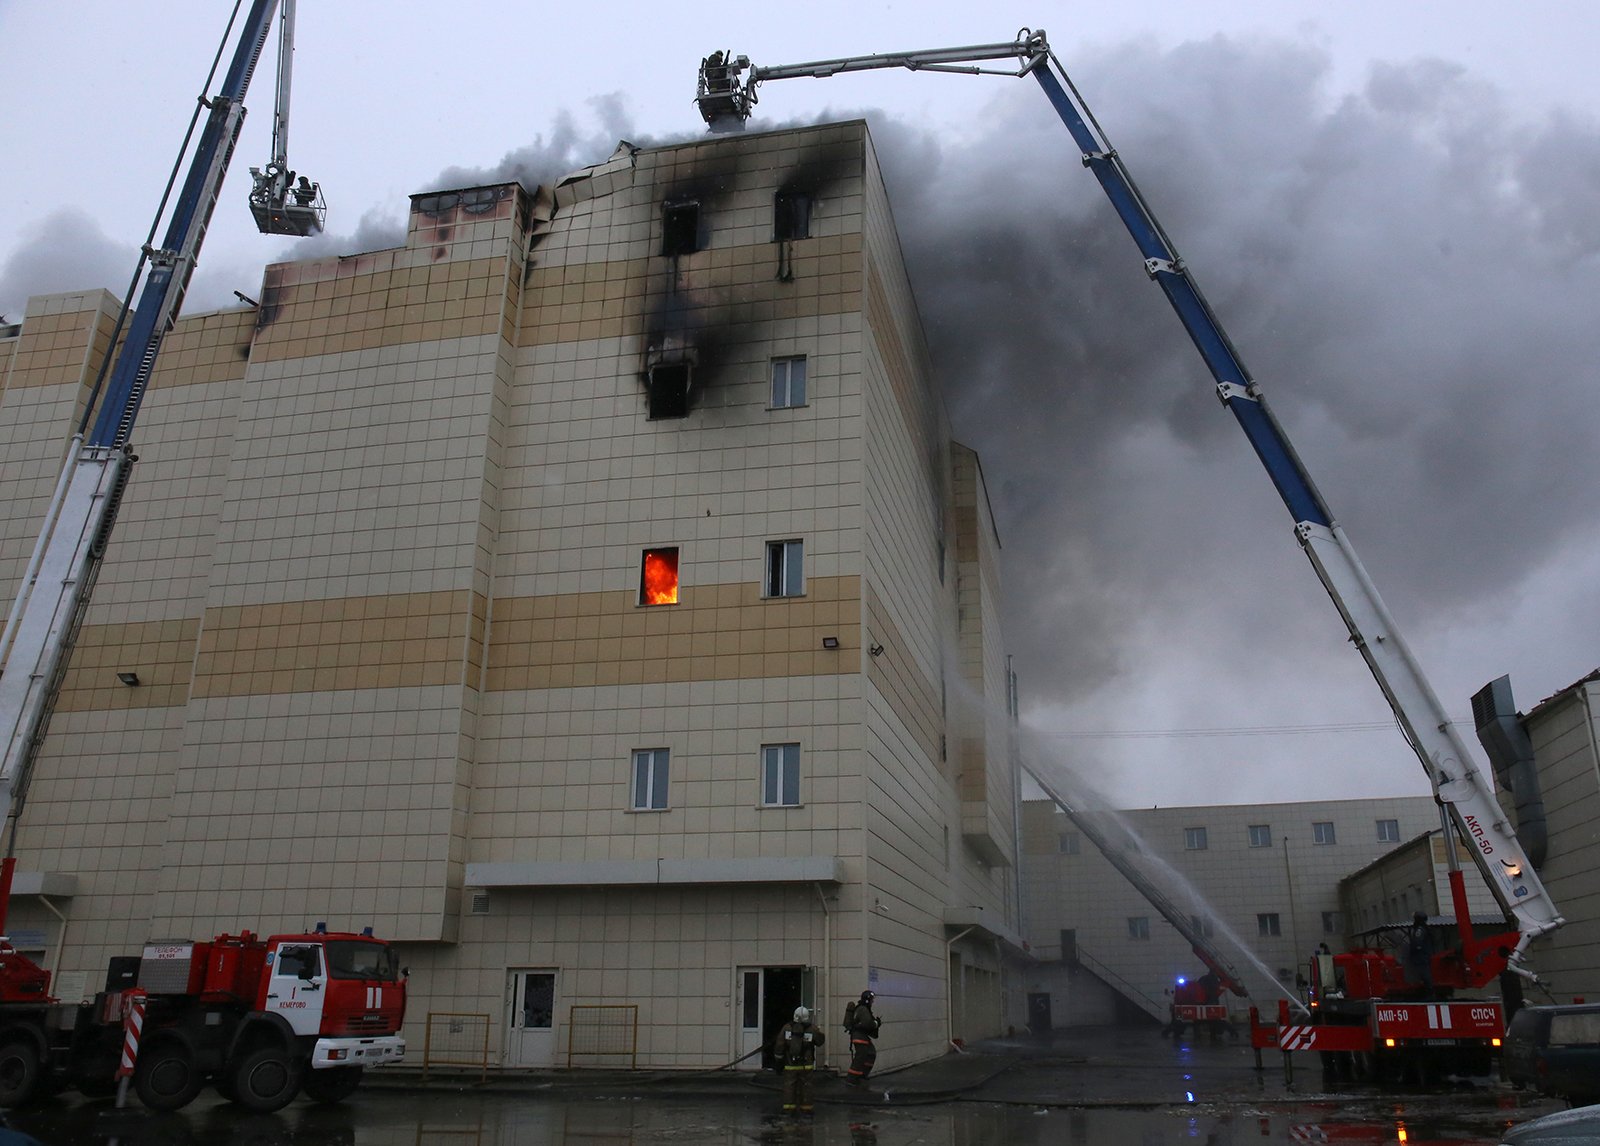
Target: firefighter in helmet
(795,1054)
(863,1026)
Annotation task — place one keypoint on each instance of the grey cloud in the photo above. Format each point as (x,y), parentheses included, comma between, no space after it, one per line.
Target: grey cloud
(66,251)
(1407,272)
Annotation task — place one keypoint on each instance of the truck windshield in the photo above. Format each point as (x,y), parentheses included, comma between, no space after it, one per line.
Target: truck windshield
(353,959)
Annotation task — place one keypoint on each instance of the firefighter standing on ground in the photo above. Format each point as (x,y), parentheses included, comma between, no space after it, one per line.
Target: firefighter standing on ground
(795,1053)
(863,1026)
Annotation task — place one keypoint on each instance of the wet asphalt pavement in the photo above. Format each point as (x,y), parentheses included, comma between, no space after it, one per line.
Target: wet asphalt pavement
(1082,1089)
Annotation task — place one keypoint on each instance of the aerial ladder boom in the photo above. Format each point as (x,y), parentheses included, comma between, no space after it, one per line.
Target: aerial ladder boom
(282,203)
(1463,791)
(43,621)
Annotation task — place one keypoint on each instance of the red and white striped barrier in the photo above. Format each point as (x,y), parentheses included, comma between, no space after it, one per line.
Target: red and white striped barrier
(133,1003)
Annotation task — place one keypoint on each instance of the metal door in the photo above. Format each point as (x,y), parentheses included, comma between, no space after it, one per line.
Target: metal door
(531,1019)
(297,985)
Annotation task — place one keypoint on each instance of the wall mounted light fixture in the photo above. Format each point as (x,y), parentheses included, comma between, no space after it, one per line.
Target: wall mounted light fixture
(131,679)
(830,642)
(876,650)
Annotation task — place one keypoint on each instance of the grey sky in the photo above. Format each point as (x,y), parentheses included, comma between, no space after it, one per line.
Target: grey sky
(1392,207)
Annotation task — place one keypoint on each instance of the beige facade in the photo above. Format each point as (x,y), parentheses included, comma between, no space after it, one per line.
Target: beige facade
(1264,879)
(1416,877)
(380,575)
(1565,732)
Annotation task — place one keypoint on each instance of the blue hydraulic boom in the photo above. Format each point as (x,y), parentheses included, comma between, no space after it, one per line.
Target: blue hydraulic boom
(49,607)
(726,97)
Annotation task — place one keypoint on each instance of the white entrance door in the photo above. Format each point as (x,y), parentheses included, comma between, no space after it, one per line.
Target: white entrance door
(531,1019)
(748,1016)
(297,985)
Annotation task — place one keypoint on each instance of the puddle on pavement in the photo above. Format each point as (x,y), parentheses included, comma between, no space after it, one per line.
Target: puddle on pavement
(405,1119)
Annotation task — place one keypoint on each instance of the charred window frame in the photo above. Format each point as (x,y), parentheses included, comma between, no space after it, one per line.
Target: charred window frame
(680,227)
(788,382)
(780,775)
(785,569)
(667,389)
(658,576)
(1138,927)
(650,768)
(791,216)
(1268,925)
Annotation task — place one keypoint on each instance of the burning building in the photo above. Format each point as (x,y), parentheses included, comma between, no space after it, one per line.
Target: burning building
(587,594)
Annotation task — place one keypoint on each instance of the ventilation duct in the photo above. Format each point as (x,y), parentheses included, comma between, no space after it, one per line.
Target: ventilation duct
(1510,751)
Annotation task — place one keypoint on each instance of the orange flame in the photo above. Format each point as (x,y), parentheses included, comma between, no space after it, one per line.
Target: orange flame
(661,577)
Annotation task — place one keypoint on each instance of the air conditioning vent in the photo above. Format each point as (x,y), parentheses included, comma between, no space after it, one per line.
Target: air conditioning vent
(480,903)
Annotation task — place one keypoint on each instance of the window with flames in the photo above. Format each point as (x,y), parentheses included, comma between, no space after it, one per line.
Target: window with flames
(658,577)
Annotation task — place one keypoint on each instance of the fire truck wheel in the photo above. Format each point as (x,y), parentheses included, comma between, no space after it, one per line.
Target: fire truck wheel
(332,1085)
(19,1072)
(267,1080)
(165,1076)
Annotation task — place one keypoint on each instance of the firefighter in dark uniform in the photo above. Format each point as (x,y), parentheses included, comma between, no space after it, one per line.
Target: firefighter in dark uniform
(795,1053)
(863,1026)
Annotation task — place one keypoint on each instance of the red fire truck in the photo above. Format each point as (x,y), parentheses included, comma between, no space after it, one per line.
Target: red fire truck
(259,1020)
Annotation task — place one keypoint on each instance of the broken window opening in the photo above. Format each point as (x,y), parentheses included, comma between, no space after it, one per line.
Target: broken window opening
(668,390)
(658,577)
(788,382)
(680,227)
(791,216)
(785,569)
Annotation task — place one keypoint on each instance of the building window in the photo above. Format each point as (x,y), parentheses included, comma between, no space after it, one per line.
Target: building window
(785,569)
(1138,927)
(667,390)
(1331,923)
(788,382)
(1069,843)
(658,577)
(1194,839)
(780,775)
(1322,832)
(1388,831)
(650,779)
(1260,835)
(1267,924)
(1201,925)
(791,216)
(680,227)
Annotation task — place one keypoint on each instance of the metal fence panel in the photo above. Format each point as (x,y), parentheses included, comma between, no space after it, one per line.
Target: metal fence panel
(604,1031)
(456,1038)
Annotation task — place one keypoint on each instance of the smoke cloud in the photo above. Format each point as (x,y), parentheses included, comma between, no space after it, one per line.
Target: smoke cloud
(1407,271)
(65,251)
